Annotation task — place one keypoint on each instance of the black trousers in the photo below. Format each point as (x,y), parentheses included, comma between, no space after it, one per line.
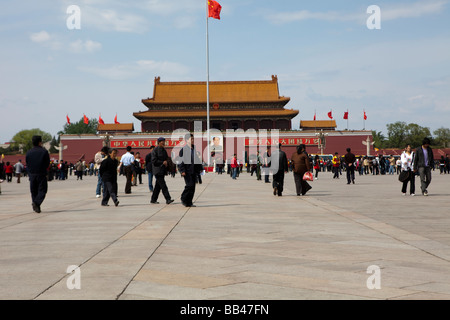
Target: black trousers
(109,191)
(301,186)
(189,190)
(278,182)
(128,172)
(38,188)
(412,183)
(350,174)
(160,185)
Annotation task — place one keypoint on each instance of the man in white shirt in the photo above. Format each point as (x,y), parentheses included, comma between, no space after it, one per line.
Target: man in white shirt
(126,162)
(18,167)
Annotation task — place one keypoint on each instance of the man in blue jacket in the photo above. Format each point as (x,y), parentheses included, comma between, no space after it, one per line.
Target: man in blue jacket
(38,161)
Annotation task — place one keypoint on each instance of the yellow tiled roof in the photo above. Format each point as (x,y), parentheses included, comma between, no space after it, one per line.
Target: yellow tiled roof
(116,127)
(318,124)
(220,92)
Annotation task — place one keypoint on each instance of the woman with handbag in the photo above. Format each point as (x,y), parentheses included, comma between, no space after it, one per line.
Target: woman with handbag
(301,164)
(407,160)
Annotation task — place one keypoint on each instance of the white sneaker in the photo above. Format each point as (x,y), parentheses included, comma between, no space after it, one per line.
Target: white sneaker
(98,196)
(403,194)
(413,195)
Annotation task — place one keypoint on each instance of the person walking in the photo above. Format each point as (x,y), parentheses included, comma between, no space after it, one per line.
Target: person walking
(189,166)
(266,165)
(19,168)
(423,164)
(301,165)
(349,160)
(159,168)
(126,163)
(108,172)
(140,167)
(98,159)
(148,166)
(234,167)
(317,166)
(442,165)
(79,166)
(407,159)
(336,164)
(391,164)
(9,171)
(37,161)
(283,168)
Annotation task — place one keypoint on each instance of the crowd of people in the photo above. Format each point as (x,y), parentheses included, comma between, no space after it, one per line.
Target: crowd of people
(419,162)
(157,165)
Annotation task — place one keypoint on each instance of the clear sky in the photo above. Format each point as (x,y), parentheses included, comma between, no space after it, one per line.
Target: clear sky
(324,54)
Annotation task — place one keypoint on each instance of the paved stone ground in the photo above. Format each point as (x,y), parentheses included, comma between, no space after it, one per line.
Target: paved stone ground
(240,243)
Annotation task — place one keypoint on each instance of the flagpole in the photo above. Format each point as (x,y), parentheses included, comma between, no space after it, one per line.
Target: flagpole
(364,118)
(347,119)
(207,83)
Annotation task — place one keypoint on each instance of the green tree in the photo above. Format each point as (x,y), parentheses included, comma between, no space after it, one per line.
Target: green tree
(397,133)
(53,144)
(379,139)
(401,134)
(80,127)
(22,139)
(442,137)
(416,134)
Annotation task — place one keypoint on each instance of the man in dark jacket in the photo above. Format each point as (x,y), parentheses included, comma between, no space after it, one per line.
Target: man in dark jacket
(350,159)
(38,161)
(423,163)
(283,167)
(190,167)
(148,166)
(159,160)
(108,172)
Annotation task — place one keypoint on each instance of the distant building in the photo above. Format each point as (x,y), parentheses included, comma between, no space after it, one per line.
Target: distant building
(113,128)
(233,105)
(318,125)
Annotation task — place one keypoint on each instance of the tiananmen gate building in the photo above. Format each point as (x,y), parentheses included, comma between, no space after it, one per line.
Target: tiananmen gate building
(234,105)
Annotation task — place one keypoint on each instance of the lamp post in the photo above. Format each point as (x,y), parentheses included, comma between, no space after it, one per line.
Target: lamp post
(322,140)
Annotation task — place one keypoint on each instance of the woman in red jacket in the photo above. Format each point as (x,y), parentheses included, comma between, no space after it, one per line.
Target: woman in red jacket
(9,171)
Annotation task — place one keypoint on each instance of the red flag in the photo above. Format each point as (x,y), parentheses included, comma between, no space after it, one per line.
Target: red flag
(115,120)
(214,9)
(346,115)
(330,115)
(314,117)
(365,116)
(68,119)
(86,120)
(100,120)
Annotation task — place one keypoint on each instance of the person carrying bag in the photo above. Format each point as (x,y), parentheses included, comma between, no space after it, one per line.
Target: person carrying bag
(407,174)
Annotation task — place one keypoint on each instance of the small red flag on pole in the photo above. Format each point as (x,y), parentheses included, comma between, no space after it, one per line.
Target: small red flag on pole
(68,119)
(330,114)
(85,119)
(214,9)
(365,116)
(115,120)
(100,120)
(346,115)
